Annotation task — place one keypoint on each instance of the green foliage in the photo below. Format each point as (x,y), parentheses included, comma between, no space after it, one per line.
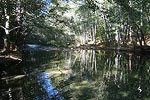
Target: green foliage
(66,22)
(17,19)
(50,30)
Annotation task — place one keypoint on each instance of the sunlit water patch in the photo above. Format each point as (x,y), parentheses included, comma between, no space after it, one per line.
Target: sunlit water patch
(44,81)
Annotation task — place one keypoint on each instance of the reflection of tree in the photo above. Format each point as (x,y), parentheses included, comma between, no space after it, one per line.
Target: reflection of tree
(11,89)
(125,82)
(118,74)
(86,62)
(98,74)
(89,74)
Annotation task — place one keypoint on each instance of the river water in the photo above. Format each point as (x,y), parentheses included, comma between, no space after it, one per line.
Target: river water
(78,75)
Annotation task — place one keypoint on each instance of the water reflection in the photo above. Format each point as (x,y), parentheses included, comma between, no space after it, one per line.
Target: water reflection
(84,75)
(44,81)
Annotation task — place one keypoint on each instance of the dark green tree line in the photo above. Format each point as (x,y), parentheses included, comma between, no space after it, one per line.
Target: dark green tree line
(64,22)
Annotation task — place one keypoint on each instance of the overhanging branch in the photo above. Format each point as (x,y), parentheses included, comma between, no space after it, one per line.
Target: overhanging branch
(2,27)
(14,28)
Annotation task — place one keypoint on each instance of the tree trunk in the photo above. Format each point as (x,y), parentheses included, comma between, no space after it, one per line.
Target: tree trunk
(95,27)
(142,37)
(141,28)
(6,46)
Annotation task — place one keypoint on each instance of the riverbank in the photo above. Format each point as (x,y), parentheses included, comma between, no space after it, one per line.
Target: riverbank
(112,46)
(16,56)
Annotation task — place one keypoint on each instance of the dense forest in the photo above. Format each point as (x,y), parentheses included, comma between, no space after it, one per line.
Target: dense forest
(68,23)
(74,49)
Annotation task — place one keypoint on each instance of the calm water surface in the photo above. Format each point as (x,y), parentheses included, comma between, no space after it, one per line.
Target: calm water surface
(78,75)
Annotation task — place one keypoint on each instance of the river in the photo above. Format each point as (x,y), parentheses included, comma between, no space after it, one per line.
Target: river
(78,75)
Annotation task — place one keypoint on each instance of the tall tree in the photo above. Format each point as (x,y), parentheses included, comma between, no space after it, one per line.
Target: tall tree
(15,14)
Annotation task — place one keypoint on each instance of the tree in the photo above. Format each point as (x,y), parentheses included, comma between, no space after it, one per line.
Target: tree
(15,18)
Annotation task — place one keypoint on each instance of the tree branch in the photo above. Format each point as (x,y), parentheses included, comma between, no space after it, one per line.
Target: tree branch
(24,31)
(2,27)
(14,28)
